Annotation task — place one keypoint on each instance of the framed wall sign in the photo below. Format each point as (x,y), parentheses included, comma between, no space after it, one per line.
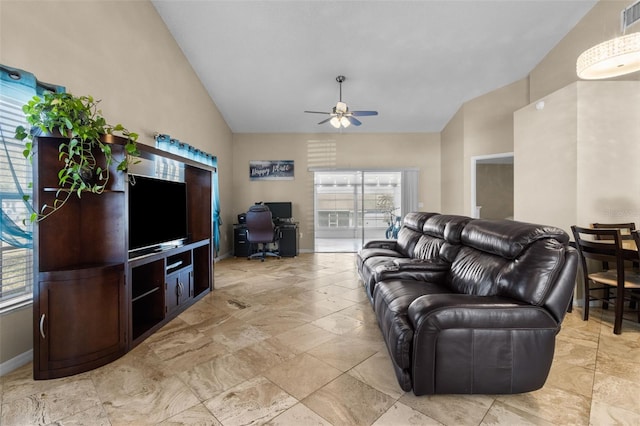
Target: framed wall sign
(271,170)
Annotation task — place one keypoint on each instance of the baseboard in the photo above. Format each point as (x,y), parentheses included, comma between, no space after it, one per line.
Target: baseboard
(222,256)
(16,362)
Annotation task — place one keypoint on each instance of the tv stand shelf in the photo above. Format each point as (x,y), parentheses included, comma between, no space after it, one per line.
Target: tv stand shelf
(165,283)
(93,300)
(153,290)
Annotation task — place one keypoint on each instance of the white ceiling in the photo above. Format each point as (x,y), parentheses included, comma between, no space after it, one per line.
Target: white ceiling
(265,62)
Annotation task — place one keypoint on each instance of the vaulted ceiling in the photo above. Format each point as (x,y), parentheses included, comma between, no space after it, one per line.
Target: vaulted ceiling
(265,62)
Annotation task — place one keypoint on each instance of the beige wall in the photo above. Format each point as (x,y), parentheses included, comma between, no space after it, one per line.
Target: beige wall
(545,175)
(608,142)
(488,127)
(482,126)
(452,165)
(338,151)
(573,156)
(122,53)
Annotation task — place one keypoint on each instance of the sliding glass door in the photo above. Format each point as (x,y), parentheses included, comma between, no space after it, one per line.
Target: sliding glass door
(354,206)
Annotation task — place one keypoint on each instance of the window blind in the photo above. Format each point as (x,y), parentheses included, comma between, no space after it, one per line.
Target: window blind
(17,87)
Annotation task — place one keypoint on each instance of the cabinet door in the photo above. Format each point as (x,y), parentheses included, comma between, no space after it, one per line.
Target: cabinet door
(171,292)
(179,289)
(186,284)
(80,320)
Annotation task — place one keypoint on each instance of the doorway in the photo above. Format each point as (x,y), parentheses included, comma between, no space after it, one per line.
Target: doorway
(492,186)
(352,207)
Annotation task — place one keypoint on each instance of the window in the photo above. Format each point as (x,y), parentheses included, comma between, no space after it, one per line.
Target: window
(354,206)
(16,252)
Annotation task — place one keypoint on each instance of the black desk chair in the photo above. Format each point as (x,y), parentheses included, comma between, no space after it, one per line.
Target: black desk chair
(261,231)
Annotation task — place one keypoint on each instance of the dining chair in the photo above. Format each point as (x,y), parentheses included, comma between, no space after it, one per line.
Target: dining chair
(626,229)
(605,245)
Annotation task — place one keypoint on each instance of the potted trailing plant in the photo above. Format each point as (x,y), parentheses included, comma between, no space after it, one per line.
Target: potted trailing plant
(78,119)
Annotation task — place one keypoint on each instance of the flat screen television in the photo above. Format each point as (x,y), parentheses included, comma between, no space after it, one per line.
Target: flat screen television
(157,214)
(280,210)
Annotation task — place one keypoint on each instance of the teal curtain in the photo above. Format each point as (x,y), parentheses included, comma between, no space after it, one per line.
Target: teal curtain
(217,221)
(17,87)
(16,79)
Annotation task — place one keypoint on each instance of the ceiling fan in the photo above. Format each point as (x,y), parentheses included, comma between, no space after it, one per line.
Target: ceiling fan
(340,116)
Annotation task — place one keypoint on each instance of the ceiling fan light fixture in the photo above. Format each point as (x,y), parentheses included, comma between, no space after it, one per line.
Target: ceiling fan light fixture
(612,58)
(340,116)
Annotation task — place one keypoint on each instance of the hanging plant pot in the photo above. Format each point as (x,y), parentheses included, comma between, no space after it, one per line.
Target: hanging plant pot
(88,176)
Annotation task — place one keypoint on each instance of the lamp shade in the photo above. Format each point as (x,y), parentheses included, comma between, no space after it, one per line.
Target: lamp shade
(335,122)
(611,58)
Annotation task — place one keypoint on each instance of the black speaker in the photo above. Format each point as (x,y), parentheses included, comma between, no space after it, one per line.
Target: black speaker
(242,218)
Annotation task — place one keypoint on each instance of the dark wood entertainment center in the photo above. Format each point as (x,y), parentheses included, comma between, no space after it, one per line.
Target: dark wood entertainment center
(92,300)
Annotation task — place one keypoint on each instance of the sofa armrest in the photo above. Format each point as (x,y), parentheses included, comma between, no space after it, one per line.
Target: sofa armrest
(479,344)
(411,269)
(437,312)
(383,244)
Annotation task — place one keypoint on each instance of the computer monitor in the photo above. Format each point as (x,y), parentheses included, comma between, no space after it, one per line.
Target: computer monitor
(280,210)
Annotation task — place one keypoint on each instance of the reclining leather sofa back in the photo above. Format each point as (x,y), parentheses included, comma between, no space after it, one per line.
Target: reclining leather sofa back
(381,251)
(511,259)
(433,234)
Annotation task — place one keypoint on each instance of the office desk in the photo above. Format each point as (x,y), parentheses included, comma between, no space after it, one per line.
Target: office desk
(288,244)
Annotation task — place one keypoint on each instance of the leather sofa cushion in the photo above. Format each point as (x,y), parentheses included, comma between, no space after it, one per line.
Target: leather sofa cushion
(391,300)
(507,238)
(428,247)
(376,250)
(475,272)
(529,279)
(445,226)
(406,269)
(374,264)
(416,220)
(407,239)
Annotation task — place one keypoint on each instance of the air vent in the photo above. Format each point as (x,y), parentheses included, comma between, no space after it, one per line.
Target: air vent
(630,15)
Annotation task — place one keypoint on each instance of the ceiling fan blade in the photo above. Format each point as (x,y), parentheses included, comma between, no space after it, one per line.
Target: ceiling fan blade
(318,112)
(354,120)
(363,113)
(324,121)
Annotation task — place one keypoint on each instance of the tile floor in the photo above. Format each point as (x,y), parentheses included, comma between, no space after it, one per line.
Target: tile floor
(295,342)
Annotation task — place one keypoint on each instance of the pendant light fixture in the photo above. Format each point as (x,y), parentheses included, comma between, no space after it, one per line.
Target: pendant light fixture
(615,57)
(612,58)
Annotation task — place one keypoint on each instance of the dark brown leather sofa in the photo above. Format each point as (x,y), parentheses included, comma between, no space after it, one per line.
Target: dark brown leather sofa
(473,308)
